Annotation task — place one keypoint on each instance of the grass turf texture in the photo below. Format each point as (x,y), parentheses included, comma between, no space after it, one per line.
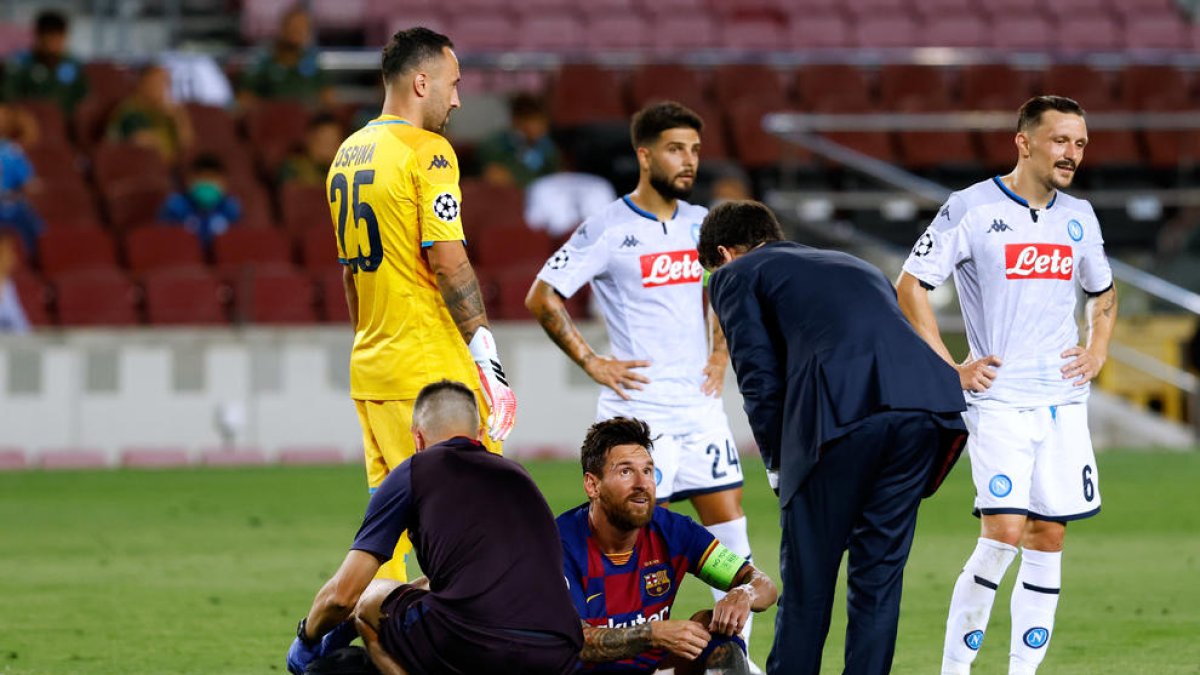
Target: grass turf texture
(207,571)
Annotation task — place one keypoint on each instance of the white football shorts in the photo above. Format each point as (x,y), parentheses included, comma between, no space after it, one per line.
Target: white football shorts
(1033,461)
(701,461)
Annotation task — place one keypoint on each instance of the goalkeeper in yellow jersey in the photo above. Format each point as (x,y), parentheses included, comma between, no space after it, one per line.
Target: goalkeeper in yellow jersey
(414,301)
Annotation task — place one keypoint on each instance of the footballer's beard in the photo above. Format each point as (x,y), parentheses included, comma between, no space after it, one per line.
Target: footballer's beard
(1057,183)
(666,187)
(626,515)
(438,122)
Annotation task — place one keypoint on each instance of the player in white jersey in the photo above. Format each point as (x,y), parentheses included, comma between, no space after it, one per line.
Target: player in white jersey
(669,358)
(1017,247)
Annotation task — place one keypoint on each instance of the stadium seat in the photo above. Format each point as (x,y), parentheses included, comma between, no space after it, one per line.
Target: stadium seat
(241,247)
(98,297)
(750,82)
(963,30)
(108,82)
(68,204)
(620,32)
(303,206)
(339,15)
(998,149)
(753,34)
(113,162)
(273,128)
(1022,32)
(64,250)
(332,296)
(483,31)
(505,246)
(685,32)
(930,9)
(714,139)
(260,18)
(274,295)
(1154,88)
(51,122)
(255,202)
(1089,86)
(187,296)
(753,146)
(913,87)
(212,124)
(819,30)
(90,120)
(867,8)
(1166,31)
(1172,149)
(557,32)
(159,247)
(993,86)
(485,206)
(505,290)
(1093,32)
(585,94)
(153,458)
(134,201)
(886,30)
(34,296)
(1114,148)
(835,87)
(380,31)
(665,81)
(55,164)
(936,149)
(318,249)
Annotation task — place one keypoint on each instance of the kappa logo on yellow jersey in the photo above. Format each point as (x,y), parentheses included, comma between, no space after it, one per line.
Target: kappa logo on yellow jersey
(439,162)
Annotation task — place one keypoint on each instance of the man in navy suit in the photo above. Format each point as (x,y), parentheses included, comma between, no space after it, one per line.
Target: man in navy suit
(855,416)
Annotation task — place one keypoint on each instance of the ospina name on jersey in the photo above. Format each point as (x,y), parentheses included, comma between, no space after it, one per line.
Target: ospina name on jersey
(674,267)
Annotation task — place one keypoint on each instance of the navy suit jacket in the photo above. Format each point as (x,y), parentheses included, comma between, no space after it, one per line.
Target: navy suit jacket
(818,343)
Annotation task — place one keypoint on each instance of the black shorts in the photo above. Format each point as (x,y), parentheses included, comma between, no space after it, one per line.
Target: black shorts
(428,641)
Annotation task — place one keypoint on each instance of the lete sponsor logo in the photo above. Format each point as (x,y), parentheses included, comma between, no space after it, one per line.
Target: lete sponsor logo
(1038,261)
(673,267)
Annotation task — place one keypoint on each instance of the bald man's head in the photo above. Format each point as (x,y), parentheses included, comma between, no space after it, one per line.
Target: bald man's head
(444,410)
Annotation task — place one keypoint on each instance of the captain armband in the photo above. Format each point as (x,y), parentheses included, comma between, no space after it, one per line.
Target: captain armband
(720,567)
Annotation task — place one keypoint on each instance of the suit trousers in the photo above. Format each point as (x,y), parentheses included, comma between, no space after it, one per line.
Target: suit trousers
(862,495)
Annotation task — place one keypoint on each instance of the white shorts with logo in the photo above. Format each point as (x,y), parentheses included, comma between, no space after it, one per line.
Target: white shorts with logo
(701,459)
(1033,461)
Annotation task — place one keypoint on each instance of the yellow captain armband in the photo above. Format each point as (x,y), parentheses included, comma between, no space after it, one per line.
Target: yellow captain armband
(720,567)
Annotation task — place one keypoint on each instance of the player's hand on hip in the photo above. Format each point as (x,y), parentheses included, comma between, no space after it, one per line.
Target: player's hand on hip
(714,374)
(1084,365)
(977,376)
(731,612)
(684,638)
(616,375)
(500,399)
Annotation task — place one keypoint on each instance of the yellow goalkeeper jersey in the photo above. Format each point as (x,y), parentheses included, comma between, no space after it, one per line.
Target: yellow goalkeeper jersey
(393,190)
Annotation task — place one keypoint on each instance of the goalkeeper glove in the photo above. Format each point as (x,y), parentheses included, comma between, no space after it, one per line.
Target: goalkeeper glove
(501,401)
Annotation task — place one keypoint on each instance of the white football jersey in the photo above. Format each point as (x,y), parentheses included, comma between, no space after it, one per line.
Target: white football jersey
(648,283)
(1015,269)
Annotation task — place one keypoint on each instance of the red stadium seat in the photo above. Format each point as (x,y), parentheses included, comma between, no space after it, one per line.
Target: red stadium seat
(998,149)
(486,206)
(1092,32)
(303,206)
(242,247)
(339,15)
(68,204)
(912,87)
(55,164)
(275,295)
(214,126)
(933,149)
(99,297)
(188,296)
(134,201)
(273,128)
(1113,148)
(52,123)
(1130,8)
(820,30)
(505,290)
(1170,149)
(714,139)
(685,32)
(931,9)
(993,86)
(255,201)
(666,81)
(1166,31)
(886,29)
(1028,32)
(753,34)
(113,162)
(557,32)
(34,297)
(90,120)
(483,32)
(332,296)
(108,82)
(1154,88)
(619,32)
(260,18)
(753,146)
(503,246)
(834,87)
(864,8)
(318,249)
(1087,85)
(585,94)
(161,247)
(964,30)
(758,83)
(64,250)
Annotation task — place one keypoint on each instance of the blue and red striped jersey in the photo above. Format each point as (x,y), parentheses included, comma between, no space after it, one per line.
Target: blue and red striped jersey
(641,590)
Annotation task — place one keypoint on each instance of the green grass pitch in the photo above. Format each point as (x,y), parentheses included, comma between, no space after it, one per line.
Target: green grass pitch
(207,571)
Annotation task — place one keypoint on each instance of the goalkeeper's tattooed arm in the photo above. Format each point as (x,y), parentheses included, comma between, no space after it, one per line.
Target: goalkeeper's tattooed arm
(458,285)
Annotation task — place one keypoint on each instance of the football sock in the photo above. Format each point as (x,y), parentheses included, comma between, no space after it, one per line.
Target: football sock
(733,535)
(1034,601)
(971,604)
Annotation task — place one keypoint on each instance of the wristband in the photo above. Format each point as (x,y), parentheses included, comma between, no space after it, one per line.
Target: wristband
(302,634)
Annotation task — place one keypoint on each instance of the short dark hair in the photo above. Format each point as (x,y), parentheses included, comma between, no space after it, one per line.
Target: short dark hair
(322,118)
(1030,114)
(50,21)
(649,122)
(207,162)
(526,104)
(743,224)
(604,436)
(411,47)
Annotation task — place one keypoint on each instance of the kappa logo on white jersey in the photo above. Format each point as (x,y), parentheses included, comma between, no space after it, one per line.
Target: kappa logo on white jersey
(674,267)
(1038,261)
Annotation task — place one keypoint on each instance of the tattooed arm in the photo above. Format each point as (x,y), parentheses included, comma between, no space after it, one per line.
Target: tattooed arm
(458,285)
(684,638)
(547,306)
(1102,318)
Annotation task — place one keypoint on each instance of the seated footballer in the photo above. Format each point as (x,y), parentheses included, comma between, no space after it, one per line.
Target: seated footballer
(624,558)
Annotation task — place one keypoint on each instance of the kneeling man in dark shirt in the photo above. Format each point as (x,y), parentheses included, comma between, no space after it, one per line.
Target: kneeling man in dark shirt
(494,601)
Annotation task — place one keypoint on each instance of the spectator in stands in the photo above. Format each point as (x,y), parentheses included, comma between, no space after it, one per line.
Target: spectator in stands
(205,208)
(150,117)
(309,165)
(12,315)
(290,69)
(729,185)
(47,71)
(16,179)
(19,126)
(524,151)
